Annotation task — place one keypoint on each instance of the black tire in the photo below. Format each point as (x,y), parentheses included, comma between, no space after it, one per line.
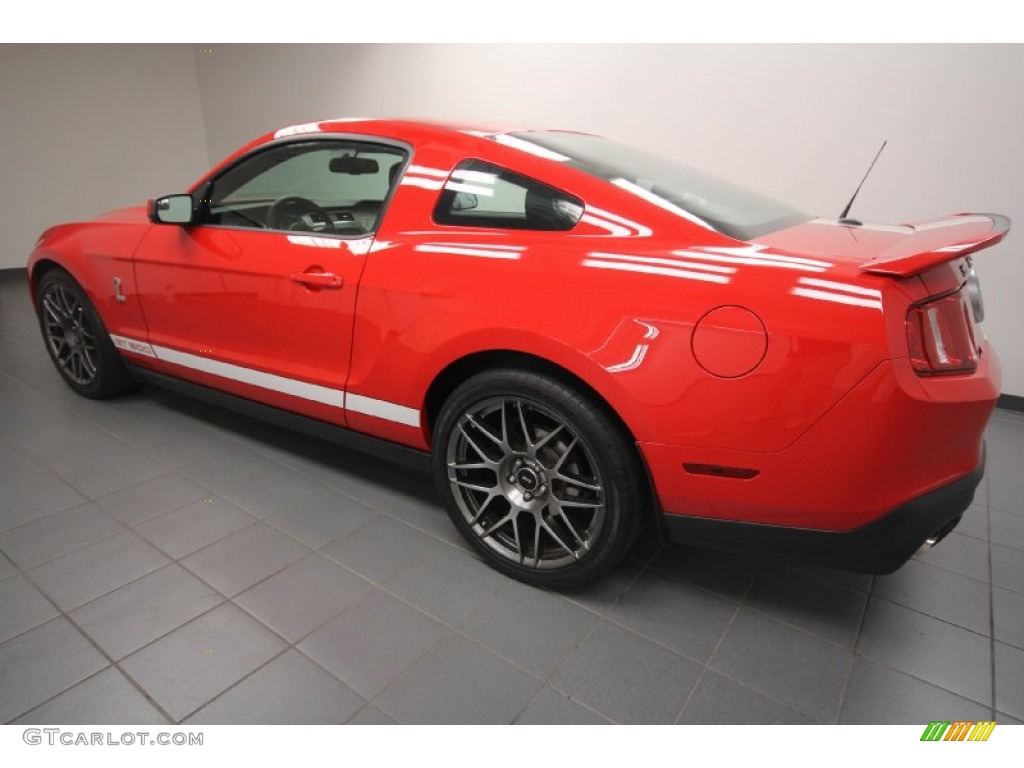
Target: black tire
(77,340)
(538,477)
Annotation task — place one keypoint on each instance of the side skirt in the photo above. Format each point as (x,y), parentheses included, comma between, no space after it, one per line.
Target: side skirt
(346,438)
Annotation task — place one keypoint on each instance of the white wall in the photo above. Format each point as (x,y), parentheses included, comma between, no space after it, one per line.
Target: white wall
(799,122)
(87,128)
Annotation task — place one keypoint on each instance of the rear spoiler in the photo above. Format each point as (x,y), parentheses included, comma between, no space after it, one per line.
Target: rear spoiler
(933,242)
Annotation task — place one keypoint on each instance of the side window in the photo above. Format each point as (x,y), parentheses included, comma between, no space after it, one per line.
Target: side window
(327,187)
(480,194)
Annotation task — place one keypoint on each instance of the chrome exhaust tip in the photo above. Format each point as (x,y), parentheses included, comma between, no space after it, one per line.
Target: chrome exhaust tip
(930,542)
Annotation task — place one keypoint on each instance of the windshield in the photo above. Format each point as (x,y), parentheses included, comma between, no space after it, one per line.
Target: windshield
(702,199)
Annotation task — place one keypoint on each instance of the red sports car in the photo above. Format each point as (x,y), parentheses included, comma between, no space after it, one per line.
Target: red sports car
(578,338)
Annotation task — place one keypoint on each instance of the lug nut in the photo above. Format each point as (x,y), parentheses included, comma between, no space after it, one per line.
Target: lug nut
(519,462)
(528,496)
(542,489)
(511,478)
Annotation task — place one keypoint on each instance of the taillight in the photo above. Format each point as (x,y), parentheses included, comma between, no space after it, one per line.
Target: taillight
(973,288)
(940,335)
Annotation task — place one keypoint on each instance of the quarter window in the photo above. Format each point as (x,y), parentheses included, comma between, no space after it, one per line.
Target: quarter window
(333,188)
(480,194)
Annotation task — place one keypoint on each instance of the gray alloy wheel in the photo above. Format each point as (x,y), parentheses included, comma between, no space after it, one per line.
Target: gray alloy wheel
(71,340)
(525,483)
(77,340)
(537,478)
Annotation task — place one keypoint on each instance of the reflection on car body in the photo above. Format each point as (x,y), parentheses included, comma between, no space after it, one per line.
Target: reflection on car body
(578,339)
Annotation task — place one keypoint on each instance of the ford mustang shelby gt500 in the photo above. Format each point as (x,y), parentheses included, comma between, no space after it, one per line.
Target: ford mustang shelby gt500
(577,337)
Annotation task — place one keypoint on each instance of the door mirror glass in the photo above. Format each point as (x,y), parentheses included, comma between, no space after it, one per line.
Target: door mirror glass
(172,209)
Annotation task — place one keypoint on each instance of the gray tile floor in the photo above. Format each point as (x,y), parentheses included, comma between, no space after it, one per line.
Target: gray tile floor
(163,561)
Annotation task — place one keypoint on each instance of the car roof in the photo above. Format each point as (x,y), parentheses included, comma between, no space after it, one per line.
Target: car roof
(411,130)
(398,126)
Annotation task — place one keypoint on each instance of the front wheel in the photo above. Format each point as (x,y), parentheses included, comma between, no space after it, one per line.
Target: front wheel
(76,339)
(538,477)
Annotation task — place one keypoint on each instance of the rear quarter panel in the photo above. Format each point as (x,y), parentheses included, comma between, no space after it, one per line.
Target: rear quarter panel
(628,334)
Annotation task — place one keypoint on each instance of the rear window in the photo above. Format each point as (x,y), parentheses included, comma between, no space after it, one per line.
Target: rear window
(480,194)
(698,197)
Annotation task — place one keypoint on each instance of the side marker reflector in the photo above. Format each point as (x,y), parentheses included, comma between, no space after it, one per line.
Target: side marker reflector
(719,470)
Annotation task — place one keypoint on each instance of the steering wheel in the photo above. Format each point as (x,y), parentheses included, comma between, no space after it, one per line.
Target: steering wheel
(298,214)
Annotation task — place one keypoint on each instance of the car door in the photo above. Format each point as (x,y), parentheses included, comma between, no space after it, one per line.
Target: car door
(258,297)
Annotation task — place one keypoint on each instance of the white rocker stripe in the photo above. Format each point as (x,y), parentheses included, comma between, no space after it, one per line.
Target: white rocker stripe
(338,398)
(382,409)
(306,391)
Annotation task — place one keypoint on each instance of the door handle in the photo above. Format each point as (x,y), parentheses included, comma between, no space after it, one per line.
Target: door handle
(318,279)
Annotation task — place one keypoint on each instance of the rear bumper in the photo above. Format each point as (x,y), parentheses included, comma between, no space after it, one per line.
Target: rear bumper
(881,546)
(891,439)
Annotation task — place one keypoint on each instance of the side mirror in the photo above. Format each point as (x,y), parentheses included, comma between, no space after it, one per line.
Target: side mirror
(171,209)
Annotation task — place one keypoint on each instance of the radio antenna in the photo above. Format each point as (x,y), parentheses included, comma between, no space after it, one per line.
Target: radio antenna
(843,216)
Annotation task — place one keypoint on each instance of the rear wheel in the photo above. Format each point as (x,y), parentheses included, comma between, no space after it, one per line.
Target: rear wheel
(76,339)
(537,477)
